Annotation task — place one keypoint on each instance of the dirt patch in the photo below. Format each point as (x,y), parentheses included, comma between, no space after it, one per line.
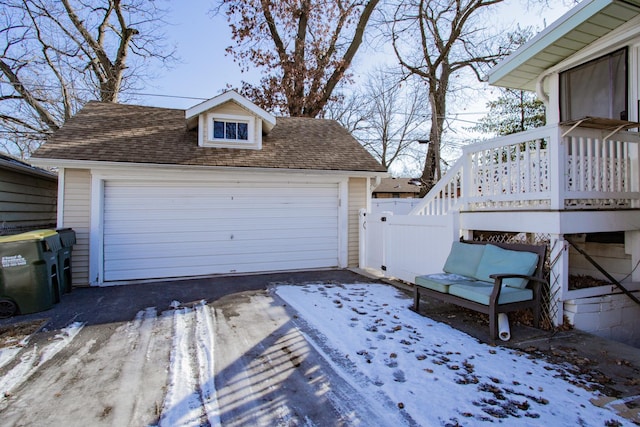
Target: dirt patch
(13,334)
(582,282)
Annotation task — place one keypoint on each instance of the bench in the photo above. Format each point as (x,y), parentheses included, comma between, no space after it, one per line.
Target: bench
(490,278)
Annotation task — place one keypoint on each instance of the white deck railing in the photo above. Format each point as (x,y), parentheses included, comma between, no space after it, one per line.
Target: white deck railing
(541,169)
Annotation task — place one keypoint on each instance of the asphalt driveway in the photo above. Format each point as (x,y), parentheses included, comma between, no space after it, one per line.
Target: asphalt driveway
(106,356)
(102,357)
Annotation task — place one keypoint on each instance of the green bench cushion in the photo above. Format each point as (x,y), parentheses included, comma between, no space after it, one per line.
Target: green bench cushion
(481,291)
(441,282)
(496,260)
(463,259)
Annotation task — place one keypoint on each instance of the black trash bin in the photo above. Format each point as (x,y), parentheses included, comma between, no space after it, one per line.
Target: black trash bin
(29,272)
(68,239)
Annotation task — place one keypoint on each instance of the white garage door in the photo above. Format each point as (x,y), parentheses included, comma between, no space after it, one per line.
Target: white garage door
(158,230)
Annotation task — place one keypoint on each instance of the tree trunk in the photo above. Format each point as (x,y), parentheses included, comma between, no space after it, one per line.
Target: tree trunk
(432,172)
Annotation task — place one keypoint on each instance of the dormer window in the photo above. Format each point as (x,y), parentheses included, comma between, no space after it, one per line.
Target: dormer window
(229,130)
(229,121)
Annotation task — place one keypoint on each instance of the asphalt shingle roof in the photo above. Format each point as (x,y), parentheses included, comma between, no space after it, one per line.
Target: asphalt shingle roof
(139,134)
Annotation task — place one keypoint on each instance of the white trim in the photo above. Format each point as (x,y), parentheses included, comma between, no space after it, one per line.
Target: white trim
(96,235)
(201,125)
(624,36)
(100,176)
(60,207)
(634,76)
(253,141)
(552,34)
(127,167)
(343,223)
(268,119)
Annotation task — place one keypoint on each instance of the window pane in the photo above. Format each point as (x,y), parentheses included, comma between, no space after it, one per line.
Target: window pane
(243,131)
(231,130)
(218,129)
(597,88)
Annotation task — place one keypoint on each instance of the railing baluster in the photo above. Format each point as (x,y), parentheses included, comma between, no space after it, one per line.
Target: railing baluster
(622,173)
(612,162)
(589,183)
(582,165)
(509,172)
(519,187)
(573,158)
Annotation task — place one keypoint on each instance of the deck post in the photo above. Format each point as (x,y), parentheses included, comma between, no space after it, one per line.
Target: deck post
(557,167)
(558,277)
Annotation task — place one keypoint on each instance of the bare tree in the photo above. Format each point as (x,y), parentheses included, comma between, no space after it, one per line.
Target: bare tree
(58,54)
(437,40)
(304,48)
(390,112)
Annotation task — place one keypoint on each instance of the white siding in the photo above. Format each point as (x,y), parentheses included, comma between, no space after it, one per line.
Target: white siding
(357,201)
(77,215)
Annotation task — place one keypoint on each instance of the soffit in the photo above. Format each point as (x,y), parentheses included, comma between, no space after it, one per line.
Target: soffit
(575,30)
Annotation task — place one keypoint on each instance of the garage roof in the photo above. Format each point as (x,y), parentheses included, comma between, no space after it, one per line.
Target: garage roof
(107,132)
(576,29)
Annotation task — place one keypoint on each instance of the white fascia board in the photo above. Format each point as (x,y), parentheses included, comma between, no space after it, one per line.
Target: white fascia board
(268,119)
(550,35)
(130,167)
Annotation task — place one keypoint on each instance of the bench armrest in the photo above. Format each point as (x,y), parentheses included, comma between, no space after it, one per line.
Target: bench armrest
(497,285)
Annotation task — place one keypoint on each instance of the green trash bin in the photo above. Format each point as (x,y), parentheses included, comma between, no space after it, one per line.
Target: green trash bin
(68,239)
(29,272)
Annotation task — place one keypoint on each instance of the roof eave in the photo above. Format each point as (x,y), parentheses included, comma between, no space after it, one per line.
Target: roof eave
(268,119)
(95,164)
(508,73)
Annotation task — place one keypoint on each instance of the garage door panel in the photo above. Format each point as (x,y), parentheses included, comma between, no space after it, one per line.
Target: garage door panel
(138,251)
(146,233)
(199,265)
(216,214)
(154,230)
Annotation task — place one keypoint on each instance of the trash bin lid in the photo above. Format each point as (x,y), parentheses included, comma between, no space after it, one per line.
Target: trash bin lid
(29,235)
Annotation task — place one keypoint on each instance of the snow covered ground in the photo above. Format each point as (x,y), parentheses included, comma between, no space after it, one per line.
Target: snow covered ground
(312,355)
(438,375)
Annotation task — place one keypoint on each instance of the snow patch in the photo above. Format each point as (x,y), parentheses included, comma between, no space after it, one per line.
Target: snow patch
(436,374)
(33,359)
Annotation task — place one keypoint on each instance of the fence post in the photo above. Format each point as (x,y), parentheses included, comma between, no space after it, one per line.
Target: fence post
(385,241)
(362,238)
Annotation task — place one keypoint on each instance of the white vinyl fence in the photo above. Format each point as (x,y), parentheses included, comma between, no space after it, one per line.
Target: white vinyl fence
(397,206)
(405,246)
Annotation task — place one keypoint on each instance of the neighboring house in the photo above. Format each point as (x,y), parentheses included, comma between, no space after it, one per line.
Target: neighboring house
(223,187)
(396,188)
(395,195)
(27,196)
(576,179)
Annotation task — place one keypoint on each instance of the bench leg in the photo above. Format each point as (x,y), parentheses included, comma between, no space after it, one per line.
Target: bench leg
(493,325)
(536,316)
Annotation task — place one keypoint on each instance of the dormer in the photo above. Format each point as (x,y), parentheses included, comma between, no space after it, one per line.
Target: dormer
(230,120)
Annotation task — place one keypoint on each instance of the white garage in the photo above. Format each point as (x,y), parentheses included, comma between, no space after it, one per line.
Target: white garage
(160,229)
(220,188)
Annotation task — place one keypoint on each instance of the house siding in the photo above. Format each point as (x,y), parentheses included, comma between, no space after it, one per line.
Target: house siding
(27,201)
(357,201)
(77,215)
